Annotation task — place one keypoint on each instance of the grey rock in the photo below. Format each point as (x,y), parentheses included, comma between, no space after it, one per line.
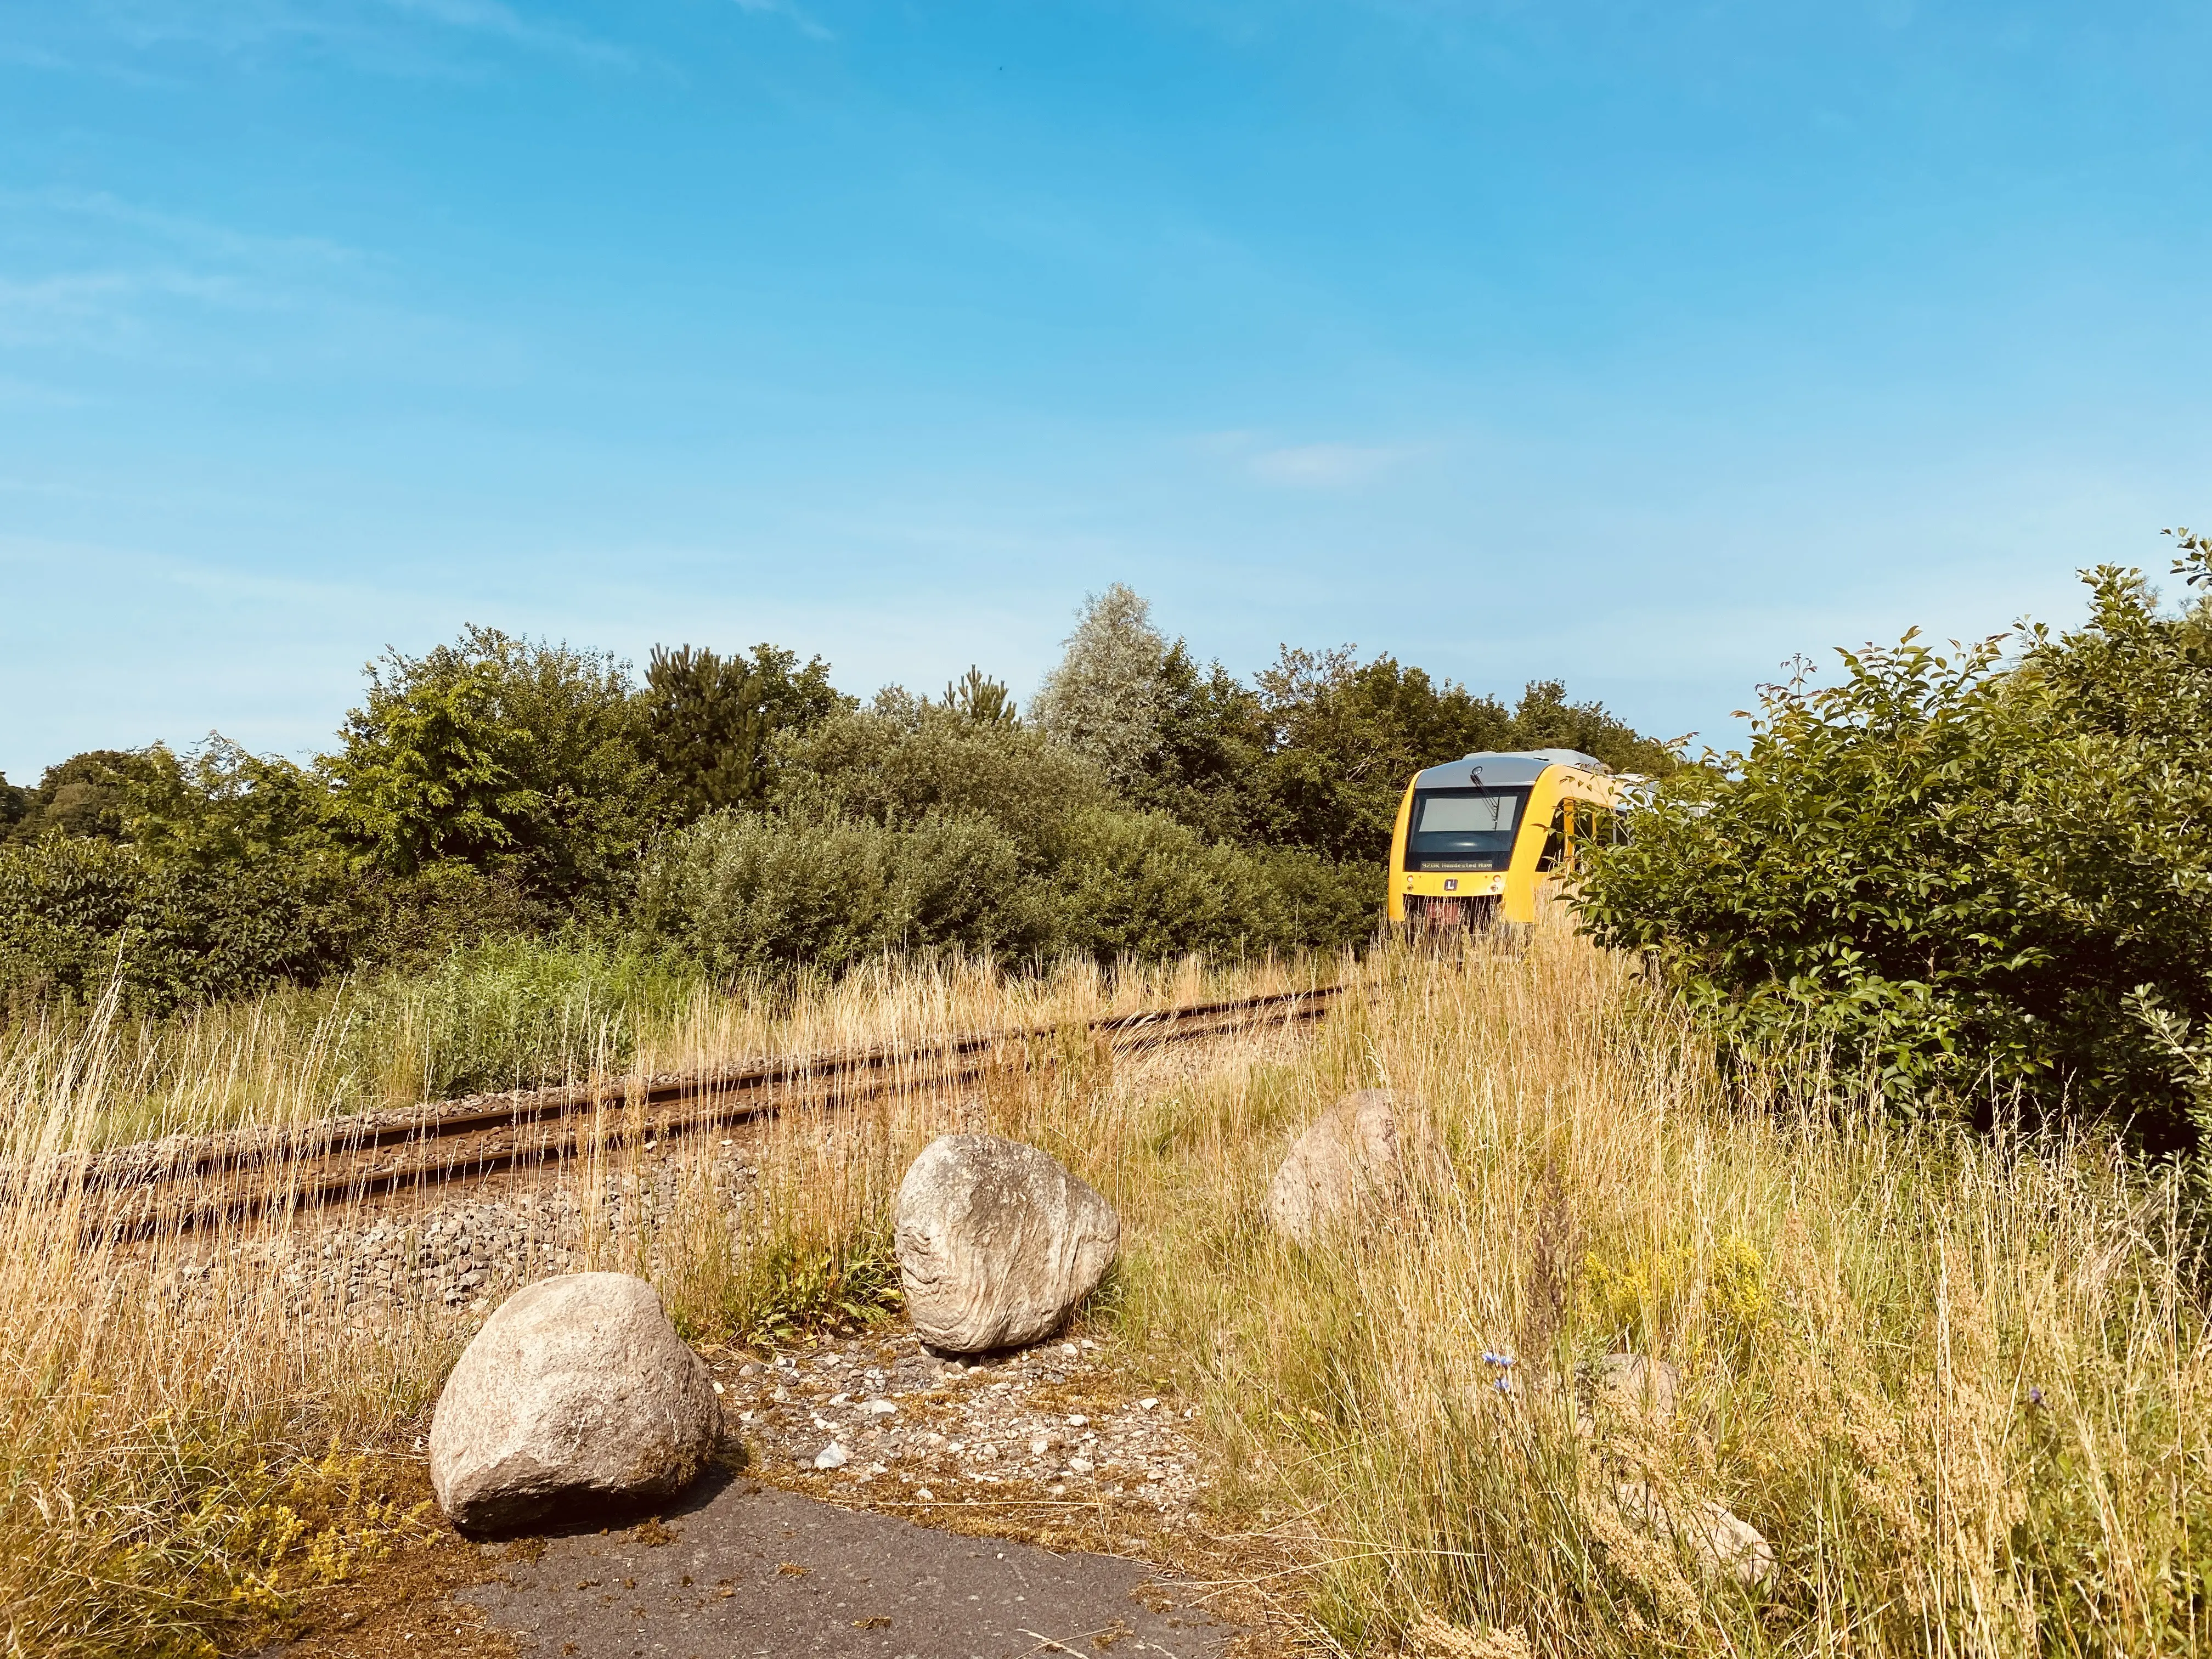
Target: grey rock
(996,1243)
(1356,1152)
(576,1391)
(1717,1539)
(1634,1386)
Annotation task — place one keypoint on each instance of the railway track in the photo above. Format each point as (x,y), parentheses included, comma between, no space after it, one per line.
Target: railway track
(181,1185)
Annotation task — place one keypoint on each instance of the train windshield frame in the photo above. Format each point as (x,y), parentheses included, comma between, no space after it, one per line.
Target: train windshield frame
(1464,829)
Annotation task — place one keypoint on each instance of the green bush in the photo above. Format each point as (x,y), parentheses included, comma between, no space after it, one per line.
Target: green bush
(1973,878)
(904,759)
(76,914)
(745,891)
(1142,885)
(517,760)
(749,891)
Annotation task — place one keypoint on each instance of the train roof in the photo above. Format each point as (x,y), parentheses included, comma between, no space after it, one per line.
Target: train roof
(1517,766)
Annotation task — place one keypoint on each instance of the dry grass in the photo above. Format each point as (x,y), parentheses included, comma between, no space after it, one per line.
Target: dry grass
(1960,1383)
(181,1455)
(519,1014)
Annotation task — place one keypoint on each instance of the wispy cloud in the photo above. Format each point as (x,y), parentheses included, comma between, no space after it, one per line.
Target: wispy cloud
(91,271)
(493,18)
(1325,466)
(404,37)
(1317,465)
(184,231)
(799,19)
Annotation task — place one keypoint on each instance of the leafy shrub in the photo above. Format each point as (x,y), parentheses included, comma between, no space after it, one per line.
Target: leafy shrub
(751,891)
(1965,876)
(747,892)
(75,914)
(1141,885)
(904,759)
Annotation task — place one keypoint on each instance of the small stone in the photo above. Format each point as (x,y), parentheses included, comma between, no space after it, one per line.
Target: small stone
(1078,1421)
(878,1407)
(1040,1444)
(832,1456)
(1080,1466)
(1146,1404)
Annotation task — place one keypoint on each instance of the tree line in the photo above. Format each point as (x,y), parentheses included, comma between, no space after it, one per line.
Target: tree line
(739,808)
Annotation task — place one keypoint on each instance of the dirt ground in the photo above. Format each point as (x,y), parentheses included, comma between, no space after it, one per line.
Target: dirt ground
(1030,1503)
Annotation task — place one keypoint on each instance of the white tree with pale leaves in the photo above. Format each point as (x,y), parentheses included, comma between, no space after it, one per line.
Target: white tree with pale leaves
(1103,699)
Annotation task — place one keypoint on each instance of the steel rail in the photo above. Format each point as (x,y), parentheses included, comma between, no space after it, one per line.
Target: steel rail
(842,1079)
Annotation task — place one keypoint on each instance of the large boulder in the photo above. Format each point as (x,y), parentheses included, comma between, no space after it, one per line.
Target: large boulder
(996,1243)
(1357,1152)
(576,1391)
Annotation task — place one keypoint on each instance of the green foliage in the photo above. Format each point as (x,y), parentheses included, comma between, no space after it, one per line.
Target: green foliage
(1141,885)
(77,912)
(790,1285)
(747,892)
(1101,701)
(221,805)
(1963,875)
(512,1012)
(16,803)
(710,720)
(979,699)
(86,794)
(1212,740)
(750,891)
(904,758)
(517,760)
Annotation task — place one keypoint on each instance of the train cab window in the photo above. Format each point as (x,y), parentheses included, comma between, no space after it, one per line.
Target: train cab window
(1463,828)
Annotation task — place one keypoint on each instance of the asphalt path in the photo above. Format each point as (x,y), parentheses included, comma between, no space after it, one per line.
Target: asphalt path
(743,1570)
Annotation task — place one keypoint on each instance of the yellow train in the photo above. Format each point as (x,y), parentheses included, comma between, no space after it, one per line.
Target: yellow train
(1479,838)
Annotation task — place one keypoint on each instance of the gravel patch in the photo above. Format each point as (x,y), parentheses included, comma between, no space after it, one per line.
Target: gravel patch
(455,1253)
(879,1421)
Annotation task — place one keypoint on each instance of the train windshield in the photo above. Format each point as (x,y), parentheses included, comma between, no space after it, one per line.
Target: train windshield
(1458,822)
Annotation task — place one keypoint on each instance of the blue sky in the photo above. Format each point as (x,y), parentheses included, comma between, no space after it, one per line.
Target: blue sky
(1642,344)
